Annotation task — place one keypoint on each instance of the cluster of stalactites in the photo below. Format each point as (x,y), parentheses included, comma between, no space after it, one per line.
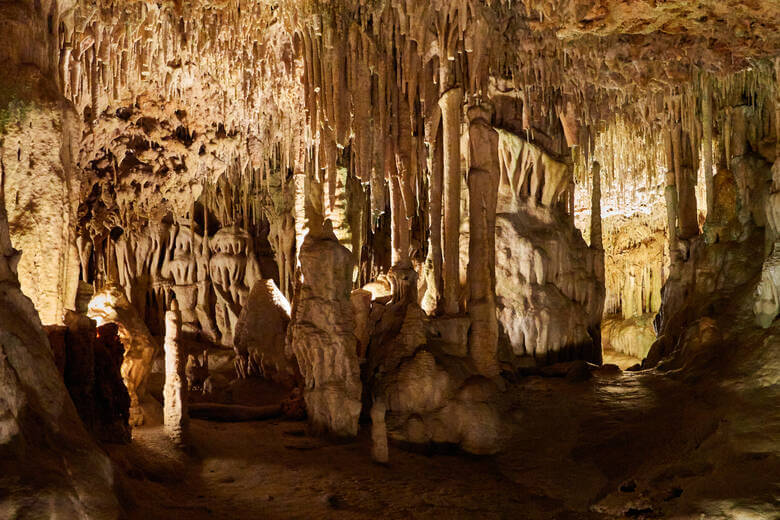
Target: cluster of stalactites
(226,75)
(638,158)
(373,80)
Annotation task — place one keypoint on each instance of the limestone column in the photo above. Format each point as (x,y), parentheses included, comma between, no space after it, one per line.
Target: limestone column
(597,245)
(706,116)
(596,240)
(322,335)
(433,295)
(670,194)
(175,392)
(483,194)
(685,177)
(450,104)
(399,225)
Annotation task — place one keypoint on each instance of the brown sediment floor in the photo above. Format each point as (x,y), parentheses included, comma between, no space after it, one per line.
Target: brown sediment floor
(636,445)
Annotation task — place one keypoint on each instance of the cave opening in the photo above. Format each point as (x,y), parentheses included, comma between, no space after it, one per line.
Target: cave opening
(348,259)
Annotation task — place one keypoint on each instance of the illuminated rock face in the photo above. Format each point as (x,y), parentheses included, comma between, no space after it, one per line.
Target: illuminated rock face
(549,283)
(40,428)
(260,336)
(175,418)
(111,306)
(322,336)
(42,183)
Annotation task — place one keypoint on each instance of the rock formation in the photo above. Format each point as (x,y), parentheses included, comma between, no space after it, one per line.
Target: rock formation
(322,335)
(90,360)
(260,336)
(111,306)
(175,416)
(51,465)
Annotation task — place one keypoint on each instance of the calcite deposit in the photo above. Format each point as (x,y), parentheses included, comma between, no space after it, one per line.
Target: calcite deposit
(442,221)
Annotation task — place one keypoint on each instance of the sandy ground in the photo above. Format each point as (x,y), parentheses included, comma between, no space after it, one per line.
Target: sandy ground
(633,445)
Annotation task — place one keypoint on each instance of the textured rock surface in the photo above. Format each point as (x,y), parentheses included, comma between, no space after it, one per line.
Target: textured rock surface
(175,416)
(322,336)
(442,155)
(549,301)
(41,184)
(632,336)
(90,360)
(50,465)
(260,336)
(111,306)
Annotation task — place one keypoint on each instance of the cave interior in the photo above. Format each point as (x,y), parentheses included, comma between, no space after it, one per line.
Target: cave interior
(389,259)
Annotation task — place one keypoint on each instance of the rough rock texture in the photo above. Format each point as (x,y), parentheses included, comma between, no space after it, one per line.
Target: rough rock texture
(41,184)
(549,284)
(49,465)
(632,336)
(420,370)
(719,269)
(90,359)
(767,305)
(175,417)
(176,148)
(111,306)
(322,335)
(260,336)
(549,302)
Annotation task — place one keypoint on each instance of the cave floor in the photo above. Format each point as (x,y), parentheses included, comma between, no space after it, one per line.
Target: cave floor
(635,445)
(621,359)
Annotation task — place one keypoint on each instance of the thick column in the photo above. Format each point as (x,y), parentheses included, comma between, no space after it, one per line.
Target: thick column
(322,335)
(483,193)
(450,104)
(175,391)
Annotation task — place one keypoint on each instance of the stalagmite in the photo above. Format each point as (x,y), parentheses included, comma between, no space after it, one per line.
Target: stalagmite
(175,390)
(322,337)
(450,104)
(379,432)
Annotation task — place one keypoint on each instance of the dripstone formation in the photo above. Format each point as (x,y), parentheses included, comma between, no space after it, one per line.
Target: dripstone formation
(412,216)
